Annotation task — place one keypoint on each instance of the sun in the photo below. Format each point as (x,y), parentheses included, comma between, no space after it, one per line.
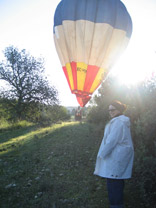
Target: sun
(135,66)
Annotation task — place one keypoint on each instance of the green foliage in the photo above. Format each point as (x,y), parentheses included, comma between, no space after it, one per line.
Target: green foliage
(35,112)
(4,123)
(14,125)
(7,110)
(26,81)
(145,158)
(52,114)
(98,115)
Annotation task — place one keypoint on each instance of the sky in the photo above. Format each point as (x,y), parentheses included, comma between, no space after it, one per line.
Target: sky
(28,24)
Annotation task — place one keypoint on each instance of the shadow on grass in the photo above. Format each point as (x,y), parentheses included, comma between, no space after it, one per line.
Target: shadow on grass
(53,168)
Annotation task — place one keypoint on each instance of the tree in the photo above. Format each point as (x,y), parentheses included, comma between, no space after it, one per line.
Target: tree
(27,84)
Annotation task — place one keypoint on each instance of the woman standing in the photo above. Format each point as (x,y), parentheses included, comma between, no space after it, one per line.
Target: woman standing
(115,157)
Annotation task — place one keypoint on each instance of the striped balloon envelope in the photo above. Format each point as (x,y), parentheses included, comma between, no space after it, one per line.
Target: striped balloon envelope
(89,37)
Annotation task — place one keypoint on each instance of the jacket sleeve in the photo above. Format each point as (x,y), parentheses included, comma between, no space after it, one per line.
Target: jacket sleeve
(116,133)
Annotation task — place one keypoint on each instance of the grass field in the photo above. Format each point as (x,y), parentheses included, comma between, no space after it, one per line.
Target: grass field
(50,167)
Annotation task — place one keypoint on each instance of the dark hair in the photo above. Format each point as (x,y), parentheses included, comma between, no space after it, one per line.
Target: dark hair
(119,106)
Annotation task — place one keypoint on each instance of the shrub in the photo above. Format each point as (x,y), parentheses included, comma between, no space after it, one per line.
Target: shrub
(143,182)
(53,114)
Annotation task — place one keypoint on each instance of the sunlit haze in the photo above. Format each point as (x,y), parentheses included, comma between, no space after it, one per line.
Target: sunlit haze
(28,24)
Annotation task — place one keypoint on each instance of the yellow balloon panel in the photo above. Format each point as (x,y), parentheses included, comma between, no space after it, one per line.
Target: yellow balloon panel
(70,75)
(98,79)
(81,75)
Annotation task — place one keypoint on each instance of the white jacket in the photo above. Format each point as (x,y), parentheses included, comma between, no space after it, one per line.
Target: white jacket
(116,153)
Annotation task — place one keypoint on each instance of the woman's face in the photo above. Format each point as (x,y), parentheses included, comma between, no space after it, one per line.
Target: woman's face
(113,111)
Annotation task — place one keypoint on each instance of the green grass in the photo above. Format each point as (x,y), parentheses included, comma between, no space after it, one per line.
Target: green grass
(51,167)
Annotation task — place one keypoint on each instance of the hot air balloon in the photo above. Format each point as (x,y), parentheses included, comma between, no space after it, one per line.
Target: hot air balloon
(89,37)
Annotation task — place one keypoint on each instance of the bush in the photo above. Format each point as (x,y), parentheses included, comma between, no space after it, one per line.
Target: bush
(97,115)
(53,114)
(5,125)
(143,184)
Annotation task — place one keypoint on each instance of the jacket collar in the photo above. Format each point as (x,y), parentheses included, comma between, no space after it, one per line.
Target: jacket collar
(114,118)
